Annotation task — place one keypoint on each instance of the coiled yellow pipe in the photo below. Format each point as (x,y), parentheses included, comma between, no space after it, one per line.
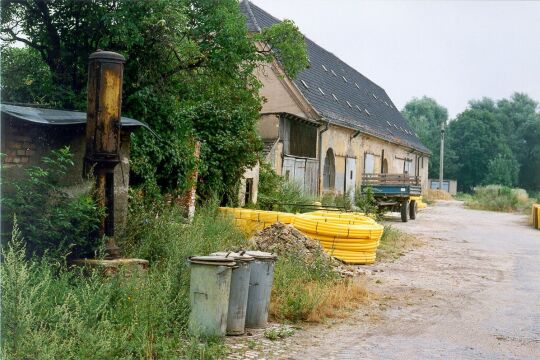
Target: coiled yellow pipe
(350,237)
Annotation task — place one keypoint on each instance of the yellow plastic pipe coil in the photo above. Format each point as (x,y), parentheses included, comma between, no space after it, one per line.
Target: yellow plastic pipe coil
(350,237)
(420,204)
(536,216)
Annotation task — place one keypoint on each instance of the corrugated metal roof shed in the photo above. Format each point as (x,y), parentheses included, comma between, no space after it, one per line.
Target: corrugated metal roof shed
(56,117)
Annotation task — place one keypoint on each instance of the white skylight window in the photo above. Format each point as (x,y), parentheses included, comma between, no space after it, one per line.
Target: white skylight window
(322,92)
(395,126)
(388,122)
(324,67)
(335,97)
(358,107)
(355,84)
(333,73)
(367,112)
(386,103)
(348,103)
(375,96)
(304,83)
(344,79)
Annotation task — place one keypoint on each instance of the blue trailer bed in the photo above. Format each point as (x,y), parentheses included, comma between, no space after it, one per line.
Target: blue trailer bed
(393,192)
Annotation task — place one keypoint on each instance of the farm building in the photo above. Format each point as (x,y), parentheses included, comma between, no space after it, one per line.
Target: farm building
(331,124)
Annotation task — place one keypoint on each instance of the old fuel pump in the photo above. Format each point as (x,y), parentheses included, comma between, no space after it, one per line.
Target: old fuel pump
(105,76)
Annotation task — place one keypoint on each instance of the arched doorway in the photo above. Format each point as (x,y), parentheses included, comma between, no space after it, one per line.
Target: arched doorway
(329,171)
(385,167)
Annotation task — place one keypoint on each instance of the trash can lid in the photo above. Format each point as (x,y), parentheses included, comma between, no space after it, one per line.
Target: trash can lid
(238,257)
(212,260)
(261,255)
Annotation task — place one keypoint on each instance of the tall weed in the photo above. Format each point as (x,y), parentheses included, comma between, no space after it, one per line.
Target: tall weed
(499,198)
(50,311)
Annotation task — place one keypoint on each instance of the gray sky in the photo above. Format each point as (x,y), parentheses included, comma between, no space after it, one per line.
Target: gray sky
(452,51)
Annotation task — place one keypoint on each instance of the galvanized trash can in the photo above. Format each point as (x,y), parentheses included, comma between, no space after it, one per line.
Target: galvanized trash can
(209,294)
(238,297)
(260,288)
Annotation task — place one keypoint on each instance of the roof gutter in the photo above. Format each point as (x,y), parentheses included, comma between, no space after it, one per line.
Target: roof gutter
(320,153)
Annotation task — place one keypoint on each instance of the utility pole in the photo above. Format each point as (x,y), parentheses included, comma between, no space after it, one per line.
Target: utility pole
(441,160)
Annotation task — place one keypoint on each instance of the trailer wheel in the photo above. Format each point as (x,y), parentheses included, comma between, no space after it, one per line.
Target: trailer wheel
(412,209)
(405,211)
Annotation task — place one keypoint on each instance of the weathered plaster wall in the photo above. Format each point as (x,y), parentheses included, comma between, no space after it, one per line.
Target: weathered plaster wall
(268,126)
(341,141)
(37,140)
(279,93)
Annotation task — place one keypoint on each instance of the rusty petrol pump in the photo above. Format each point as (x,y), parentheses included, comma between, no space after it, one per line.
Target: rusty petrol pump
(105,77)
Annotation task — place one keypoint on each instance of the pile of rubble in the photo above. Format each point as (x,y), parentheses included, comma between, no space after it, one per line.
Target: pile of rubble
(284,239)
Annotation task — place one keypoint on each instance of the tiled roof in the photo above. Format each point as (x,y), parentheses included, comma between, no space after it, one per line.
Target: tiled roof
(341,94)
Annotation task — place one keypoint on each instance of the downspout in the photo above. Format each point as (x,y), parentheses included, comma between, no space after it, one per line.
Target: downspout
(321,165)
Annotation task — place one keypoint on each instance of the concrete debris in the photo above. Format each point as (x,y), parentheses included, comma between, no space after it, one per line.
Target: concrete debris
(284,239)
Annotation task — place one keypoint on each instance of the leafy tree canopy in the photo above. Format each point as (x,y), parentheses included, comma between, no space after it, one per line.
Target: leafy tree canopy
(493,144)
(189,74)
(425,116)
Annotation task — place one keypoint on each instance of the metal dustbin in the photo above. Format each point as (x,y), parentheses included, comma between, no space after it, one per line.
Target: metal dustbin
(209,294)
(238,297)
(260,288)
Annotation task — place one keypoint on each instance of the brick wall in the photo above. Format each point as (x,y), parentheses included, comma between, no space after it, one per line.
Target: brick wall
(19,147)
(25,143)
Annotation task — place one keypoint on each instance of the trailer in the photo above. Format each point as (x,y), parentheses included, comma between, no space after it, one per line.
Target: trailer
(394,192)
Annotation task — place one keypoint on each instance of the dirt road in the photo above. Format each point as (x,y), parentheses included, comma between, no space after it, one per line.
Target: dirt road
(471,292)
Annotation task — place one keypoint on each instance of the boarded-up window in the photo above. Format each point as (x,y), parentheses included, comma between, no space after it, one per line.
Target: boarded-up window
(369,164)
(299,138)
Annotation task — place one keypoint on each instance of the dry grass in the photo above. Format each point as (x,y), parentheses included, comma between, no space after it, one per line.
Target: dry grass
(431,195)
(315,302)
(339,300)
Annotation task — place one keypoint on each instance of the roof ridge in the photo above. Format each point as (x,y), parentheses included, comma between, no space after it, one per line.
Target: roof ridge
(249,3)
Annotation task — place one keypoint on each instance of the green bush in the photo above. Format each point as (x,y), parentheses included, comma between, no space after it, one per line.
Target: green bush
(502,170)
(50,220)
(365,202)
(337,200)
(498,198)
(277,194)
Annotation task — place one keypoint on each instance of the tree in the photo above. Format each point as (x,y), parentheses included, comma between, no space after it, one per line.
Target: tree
(529,176)
(189,74)
(425,116)
(27,79)
(502,170)
(475,136)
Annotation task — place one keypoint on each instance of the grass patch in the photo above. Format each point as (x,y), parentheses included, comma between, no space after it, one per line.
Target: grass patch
(311,291)
(499,198)
(280,332)
(395,243)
